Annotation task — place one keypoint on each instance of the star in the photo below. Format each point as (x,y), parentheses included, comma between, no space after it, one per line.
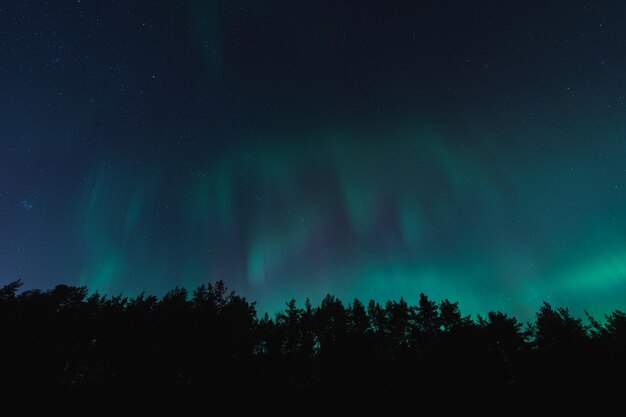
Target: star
(26,204)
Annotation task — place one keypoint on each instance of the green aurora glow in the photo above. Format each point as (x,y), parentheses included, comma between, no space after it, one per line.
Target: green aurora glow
(410,211)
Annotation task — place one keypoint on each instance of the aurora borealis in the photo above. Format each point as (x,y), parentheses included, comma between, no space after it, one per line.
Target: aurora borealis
(475,152)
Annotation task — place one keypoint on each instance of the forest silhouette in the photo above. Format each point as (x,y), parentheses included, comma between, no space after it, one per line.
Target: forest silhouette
(64,338)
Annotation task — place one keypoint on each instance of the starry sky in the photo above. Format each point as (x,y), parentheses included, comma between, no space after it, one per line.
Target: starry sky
(372,149)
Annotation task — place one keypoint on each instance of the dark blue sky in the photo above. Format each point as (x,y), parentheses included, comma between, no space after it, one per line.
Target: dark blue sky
(470,150)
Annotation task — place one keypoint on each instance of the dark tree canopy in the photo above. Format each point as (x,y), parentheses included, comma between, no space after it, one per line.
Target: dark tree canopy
(66,339)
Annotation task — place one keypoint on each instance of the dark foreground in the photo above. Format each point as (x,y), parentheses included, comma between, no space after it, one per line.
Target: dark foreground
(213,340)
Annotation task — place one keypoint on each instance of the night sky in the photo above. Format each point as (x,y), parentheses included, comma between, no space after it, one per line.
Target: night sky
(474,150)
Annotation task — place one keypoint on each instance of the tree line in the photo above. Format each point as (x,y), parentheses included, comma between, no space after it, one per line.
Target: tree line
(64,338)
